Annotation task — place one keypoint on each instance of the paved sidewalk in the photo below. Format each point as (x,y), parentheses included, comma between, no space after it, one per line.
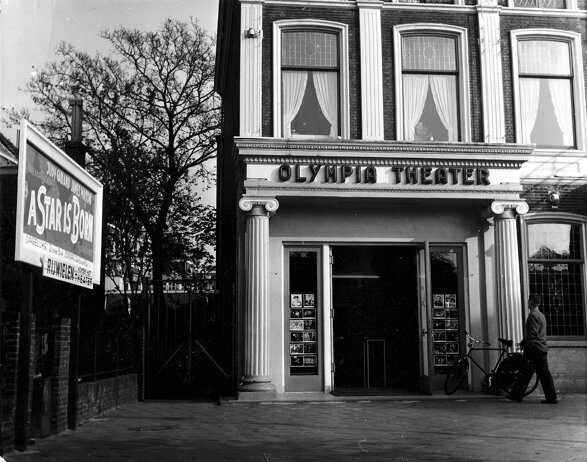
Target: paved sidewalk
(415,428)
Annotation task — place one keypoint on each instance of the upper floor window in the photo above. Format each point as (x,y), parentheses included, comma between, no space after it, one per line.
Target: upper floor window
(431,90)
(309,83)
(553,4)
(311,100)
(556,272)
(549,103)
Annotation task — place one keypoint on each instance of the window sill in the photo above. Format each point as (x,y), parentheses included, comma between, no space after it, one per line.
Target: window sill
(558,152)
(310,137)
(567,343)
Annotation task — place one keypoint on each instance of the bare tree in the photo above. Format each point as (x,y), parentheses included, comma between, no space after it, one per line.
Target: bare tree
(150,121)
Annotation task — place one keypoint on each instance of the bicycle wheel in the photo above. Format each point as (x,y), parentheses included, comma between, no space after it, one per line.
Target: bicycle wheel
(456,375)
(508,372)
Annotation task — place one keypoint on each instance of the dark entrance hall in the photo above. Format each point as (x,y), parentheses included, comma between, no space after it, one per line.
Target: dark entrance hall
(375,318)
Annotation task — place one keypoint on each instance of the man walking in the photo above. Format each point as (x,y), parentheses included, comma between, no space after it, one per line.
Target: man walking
(535,354)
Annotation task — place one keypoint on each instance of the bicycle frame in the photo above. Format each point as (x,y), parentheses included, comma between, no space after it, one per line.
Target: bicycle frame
(504,352)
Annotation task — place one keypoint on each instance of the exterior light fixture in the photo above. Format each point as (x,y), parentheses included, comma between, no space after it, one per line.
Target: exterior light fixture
(251,32)
(554,198)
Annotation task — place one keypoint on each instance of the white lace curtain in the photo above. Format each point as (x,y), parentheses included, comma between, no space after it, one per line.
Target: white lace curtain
(444,96)
(560,94)
(561,100)
(327,93)
(294,89)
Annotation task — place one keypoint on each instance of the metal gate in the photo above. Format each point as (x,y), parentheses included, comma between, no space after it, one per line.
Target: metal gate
(183,341)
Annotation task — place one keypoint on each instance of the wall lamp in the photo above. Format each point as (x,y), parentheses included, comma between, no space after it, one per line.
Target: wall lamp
(251,32)
(554,198)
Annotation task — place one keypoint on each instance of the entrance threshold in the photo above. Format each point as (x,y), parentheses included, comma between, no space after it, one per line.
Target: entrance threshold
(375,392)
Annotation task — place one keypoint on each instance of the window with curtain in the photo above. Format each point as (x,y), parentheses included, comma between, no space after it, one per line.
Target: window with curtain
(546,93)
(430,88)
(556,273)
(310,84)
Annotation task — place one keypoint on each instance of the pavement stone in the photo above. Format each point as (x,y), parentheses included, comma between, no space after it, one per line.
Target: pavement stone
(459,428)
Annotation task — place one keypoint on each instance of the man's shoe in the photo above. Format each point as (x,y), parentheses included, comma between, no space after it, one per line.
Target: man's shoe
(550,401)
(513,398)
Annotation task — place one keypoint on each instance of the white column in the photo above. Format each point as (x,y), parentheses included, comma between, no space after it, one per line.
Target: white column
(251,67)
(256,366)
(491,71)
(371,69)
(507,279)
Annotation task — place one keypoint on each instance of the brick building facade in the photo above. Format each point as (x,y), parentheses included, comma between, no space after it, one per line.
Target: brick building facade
(393,175)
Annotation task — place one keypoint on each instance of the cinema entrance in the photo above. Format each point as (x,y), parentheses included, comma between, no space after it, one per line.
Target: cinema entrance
(376,335)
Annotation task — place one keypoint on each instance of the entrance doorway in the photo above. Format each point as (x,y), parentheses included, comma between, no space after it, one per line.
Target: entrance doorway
(376,324)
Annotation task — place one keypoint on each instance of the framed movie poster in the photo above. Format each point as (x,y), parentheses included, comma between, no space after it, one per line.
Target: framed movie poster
(309,300)
(296,324)
(450,300)
(438,300)
(296,300)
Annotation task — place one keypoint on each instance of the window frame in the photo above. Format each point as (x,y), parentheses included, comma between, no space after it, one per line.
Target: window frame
(557,218)
(460,35)
(343,88)
(573,39)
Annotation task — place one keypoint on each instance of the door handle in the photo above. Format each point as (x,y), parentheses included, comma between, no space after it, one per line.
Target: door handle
(424,332)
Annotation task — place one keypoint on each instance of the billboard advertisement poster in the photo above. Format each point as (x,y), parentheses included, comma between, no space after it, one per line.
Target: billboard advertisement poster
(59,212)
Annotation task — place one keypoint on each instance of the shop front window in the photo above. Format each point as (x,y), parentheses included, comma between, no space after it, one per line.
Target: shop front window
(556,273)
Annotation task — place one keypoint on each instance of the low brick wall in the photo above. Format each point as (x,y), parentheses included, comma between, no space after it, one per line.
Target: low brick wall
(568,364)
(97,397)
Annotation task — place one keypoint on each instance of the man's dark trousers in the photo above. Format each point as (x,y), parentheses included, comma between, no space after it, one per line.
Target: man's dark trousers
(536,360)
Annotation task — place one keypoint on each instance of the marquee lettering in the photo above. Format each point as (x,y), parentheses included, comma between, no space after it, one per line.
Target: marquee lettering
(404,175)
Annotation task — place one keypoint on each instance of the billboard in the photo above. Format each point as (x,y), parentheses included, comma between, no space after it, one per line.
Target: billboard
(58,212)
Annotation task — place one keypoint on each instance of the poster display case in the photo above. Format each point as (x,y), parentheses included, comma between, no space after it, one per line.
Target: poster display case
(303,328)
(445,324)
(447,306)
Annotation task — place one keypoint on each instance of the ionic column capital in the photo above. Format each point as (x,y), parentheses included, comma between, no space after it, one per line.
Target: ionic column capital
(507,209)
(249,203)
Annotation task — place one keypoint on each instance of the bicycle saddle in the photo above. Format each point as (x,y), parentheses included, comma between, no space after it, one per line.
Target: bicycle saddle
(507,343)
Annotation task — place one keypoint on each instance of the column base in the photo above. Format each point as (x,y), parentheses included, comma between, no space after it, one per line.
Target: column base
(251,390)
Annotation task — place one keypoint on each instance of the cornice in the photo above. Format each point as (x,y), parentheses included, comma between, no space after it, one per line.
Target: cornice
(361,152)
(379,162)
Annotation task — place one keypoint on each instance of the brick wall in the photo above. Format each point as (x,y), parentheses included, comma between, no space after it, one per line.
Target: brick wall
(573,198)
(94,398)
(568,367)
(60,384)
(9,374)
(24,390)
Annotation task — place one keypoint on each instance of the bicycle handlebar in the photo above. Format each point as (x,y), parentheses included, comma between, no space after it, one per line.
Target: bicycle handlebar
(474,340)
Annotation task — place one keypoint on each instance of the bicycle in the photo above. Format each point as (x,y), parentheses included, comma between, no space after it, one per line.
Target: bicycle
(501,377)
